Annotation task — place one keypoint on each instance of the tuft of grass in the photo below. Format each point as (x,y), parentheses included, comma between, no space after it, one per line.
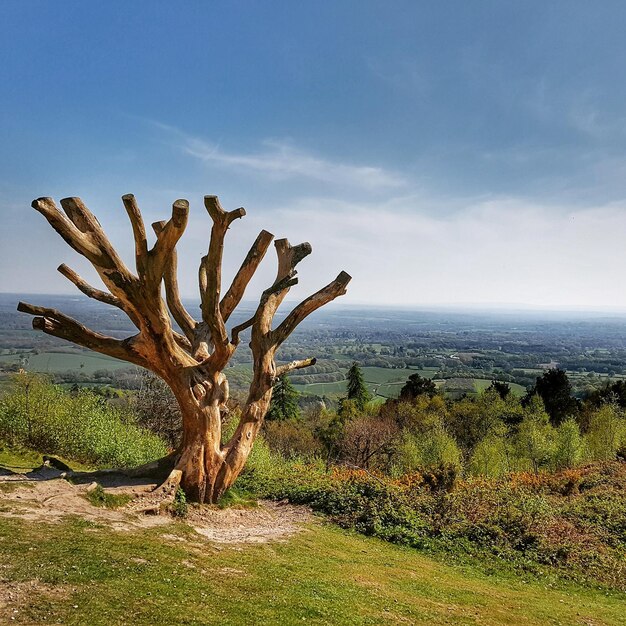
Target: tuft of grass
(238,499)
(99,497)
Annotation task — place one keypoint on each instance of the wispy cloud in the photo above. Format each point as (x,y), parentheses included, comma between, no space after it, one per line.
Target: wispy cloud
(283,160)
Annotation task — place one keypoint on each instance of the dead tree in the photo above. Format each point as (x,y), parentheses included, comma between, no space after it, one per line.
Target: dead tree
(190,362)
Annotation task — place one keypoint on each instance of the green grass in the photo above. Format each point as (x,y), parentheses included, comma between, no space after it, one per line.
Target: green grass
(53,362)
(19,459)
(480,384)
(387,383)
(321,576)
(235,498)
(100,497)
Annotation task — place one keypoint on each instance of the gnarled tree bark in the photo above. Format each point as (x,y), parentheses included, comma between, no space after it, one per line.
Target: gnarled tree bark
(191,363)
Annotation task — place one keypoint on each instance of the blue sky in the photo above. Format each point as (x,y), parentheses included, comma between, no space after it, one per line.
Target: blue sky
(441,153)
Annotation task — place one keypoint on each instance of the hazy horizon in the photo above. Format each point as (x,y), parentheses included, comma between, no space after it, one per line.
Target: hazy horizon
(494,308)
(454,155)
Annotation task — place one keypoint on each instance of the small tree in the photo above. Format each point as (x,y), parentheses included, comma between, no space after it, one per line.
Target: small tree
(428,450)
(555,389)
(368,441)
(157,408)
(416,386)
(191,363)
(535,437)
(568,449)
(501,388)
(607,430)
(490,457)
(284,404)
(357,390)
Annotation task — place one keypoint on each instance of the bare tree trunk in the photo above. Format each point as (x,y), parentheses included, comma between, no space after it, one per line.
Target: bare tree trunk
(208,468)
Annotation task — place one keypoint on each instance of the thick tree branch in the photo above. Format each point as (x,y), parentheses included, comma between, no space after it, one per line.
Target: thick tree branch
(210,278)
(84,220)
(183,342)
(337,288)
(82,231)
(172,294)
(277,287)
(288,257)
(294,365)
(68,231)
(237,330)
(139,232)
(168,235)
(87,289)
(244,275)
(96,294)
(57,324)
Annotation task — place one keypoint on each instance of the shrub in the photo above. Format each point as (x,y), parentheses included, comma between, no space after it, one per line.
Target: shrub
(99,497)
(534,442)
(490,458)
(429,450)
(81,426)
(568,449)
(290,438)
(607,431)
(179,507)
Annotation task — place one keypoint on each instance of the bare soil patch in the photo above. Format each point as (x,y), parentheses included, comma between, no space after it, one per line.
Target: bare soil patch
(16,595)
(43,495)
(270,521)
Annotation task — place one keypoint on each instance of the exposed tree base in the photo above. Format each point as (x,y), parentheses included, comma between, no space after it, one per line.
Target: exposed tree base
(157,469)
(169,472)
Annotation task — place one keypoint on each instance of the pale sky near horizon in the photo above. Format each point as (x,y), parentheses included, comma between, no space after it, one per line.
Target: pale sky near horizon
(441,153)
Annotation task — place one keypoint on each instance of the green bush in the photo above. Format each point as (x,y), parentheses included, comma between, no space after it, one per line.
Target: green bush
(491,457)
(606,433)
(568,449)
(428,450)
(82,426)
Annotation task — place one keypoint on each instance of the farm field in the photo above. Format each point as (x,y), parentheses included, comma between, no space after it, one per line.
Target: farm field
(480,384)
(375,377)
(53,362)
(387,383)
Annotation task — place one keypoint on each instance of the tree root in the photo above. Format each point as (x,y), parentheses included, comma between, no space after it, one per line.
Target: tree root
(169,486)
(163,495)
(154,469)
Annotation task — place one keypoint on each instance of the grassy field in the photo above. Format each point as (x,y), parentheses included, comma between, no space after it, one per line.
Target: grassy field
(481,384)
(78,572)
(377,379)
(387,383)
(52,362)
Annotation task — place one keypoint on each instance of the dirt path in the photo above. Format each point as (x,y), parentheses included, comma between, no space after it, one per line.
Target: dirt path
(42,495)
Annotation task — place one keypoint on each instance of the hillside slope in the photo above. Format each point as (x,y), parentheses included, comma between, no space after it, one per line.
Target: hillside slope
(77,572)
(85,569)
